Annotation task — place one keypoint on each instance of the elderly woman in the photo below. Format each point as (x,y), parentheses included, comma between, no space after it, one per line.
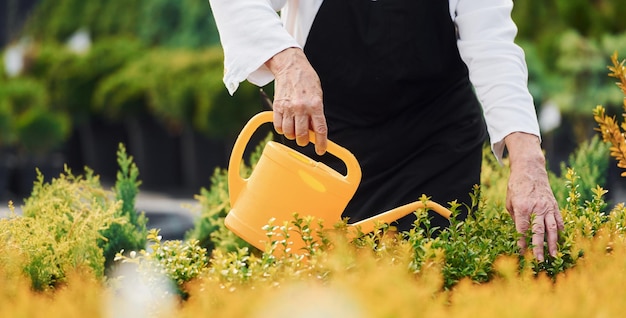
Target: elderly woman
(411,87)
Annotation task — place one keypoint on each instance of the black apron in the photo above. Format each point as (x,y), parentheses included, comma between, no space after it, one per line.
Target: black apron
(398,96)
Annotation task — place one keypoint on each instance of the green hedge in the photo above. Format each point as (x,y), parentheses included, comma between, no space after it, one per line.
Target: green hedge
(26,121)
(183,23)
(181,88)
(116,78)
(568,44)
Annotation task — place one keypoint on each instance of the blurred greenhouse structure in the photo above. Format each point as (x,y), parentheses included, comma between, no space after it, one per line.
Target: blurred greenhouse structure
(78,77)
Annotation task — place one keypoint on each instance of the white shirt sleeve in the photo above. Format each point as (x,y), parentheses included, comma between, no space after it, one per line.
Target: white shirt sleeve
(497,67)
(251,32)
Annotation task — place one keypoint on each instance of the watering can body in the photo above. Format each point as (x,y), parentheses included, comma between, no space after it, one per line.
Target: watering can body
(285,182)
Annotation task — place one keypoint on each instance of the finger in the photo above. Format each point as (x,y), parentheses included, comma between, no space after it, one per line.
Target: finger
(302,130)
(538,237)
(278,122)
(521,225)
(289,127)
(521,243)
(560,225)
(318,124)
(553,235)
(509,204)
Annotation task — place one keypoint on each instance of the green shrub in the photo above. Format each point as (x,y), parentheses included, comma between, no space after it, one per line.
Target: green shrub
(184,23)
(180,88)
(124,92)
(174,97)
(40,131)
(180,261)
(42,59)
(209,229)
(72,81)
(28,122)
(467,250)
(131,234)
(58,232)
(591,162)
(72,223)
(16,96)
(57,20)
(220,114)
(581,66)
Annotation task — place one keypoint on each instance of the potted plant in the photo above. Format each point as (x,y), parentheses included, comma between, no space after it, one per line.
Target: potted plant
(72,83)
(7,141)
(36,132)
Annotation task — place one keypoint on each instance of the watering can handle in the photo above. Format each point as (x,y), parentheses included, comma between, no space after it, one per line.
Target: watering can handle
(236,182)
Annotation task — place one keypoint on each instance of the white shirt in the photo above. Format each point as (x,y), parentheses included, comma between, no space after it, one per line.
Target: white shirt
(251,32)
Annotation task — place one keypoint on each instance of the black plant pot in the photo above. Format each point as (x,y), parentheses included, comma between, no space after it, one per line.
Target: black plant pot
(156,153)
(50,165)
(98,142)
(8,161)
(200,156)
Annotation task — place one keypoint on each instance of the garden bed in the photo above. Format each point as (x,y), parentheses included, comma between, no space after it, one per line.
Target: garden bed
(472,268)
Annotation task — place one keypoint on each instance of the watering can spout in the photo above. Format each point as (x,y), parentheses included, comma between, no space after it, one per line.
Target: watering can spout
(369,224)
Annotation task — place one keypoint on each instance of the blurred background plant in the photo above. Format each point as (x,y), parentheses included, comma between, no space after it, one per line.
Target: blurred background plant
(145,73)
(568,45)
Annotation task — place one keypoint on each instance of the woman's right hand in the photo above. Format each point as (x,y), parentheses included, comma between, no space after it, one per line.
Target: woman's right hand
(298,102)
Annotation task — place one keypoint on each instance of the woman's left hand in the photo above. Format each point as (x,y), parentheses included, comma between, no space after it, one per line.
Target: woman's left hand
(529,196)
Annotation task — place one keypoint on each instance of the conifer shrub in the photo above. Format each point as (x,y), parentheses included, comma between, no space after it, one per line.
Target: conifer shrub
(72,223)
(132,233)
(209,229)
(590,161)
(58,230)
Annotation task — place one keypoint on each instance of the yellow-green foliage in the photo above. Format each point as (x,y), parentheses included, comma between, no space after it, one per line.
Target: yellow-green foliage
(180,261)
(494,178)
(130,234)
(73,223)
(464,271)
(58,232)
(610,129)
(349,282)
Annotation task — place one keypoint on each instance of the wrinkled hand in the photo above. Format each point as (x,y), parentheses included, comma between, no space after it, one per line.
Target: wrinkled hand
(529,196)
(298,104)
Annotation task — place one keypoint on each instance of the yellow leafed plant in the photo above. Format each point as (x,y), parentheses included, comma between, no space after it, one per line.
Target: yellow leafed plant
(611,130)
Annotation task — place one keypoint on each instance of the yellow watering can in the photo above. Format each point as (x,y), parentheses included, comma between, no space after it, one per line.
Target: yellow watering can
(305,186)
